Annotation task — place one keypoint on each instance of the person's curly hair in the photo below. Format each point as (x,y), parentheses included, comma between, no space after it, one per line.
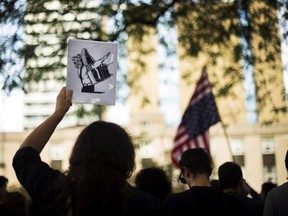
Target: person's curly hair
(154,181)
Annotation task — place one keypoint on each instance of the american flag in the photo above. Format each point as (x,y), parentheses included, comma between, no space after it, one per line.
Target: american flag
(199,116)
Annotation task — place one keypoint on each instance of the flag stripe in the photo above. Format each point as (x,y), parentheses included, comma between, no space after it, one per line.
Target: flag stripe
(199,96)
(202,88)
(183,139)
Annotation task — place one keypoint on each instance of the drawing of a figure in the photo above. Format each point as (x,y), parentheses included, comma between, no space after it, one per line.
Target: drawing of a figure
(91,71)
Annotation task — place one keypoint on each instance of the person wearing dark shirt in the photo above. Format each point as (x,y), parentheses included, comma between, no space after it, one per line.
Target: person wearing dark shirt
(101,161)
(154,181)
(232,182)
(201,199)
(265,188)
(16,204)
(3,194)
(276,203)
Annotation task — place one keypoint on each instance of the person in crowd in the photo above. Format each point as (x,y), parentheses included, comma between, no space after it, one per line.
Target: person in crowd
(215,184)
(265,188)
(276,203)
(232,183)
(15,203)
(102,160)
(154,181)
(3,193)
(248,190)
(200,198)
(3,188)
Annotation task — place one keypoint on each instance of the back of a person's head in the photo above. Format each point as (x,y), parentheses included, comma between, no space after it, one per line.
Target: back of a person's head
(3,181)
(215,184)
(229,174)
(154,181)
(15,203)
(102,159)
(3,187)
(197,161)
(265,188)
(104,144)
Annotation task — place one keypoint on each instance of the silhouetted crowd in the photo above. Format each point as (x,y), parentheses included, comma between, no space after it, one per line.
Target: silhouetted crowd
(96,182)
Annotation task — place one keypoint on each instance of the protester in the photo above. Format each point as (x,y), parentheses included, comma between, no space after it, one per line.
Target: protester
(249,191)
(154,181)
(16,204)
(3,193)
(3,188)
(215,184)
(232,183)
(102,159)
(265,188)
(200,198)
(276,203)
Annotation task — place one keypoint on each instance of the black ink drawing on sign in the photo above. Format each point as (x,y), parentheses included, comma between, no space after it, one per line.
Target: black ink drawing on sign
(91,71)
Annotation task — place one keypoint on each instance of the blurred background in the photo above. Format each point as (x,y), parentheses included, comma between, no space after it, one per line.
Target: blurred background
(163,46)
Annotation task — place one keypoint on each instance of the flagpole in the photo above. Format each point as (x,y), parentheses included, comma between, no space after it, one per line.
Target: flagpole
(225,131)
(227,138)
(224,128)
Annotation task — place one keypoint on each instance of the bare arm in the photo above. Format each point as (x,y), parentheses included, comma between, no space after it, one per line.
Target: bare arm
(41,134)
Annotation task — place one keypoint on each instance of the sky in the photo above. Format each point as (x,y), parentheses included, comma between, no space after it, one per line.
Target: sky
(284,45)
(11,111)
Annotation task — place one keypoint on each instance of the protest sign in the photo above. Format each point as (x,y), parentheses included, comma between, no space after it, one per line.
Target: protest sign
(91,71)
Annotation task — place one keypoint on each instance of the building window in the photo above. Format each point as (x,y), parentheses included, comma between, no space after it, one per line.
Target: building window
(268,156)
(269,160)
(269,174)
(56,152)
(237,148)
(148,162)
(146,151)
(267,145)
(239,159)
(57,156)
(56,164)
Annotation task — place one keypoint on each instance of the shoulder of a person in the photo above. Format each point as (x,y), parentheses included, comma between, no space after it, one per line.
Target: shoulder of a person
(279,189)
(175,195)
(233,198)
(256,203)
(143,203)
(283,186)
(178,197)
(141,196)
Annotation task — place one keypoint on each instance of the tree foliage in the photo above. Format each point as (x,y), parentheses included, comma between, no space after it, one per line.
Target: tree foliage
(204,24)
(11,67)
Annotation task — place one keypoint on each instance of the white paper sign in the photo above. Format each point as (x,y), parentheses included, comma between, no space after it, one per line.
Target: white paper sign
(91,71)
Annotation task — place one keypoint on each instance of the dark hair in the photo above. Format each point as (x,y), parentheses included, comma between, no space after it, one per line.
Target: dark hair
(3,181)
(102,159)
(154,181)
(265,188)
(15,204)
(197,161)
(215,184)
(230,174)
